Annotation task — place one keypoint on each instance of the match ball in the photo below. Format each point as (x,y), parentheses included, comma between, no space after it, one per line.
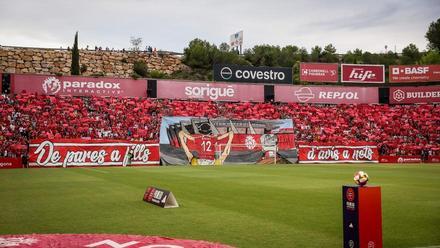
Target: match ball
(360,178)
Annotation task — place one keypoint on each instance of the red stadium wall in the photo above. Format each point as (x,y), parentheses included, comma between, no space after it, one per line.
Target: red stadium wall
(10,163)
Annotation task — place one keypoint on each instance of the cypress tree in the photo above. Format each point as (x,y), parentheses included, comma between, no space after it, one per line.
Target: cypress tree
(74,68)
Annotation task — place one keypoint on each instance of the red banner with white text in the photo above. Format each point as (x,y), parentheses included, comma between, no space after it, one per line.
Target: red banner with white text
(362,73)
(210,91)
(326,94)
(82,152)
(78,86)
(422,94)
(357,153)
(10,163)
(319,72)
(414,73)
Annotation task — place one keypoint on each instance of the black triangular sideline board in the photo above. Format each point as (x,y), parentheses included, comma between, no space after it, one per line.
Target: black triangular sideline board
(160,197)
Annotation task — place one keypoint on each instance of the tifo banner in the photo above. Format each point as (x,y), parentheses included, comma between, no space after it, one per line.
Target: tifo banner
(241,73)
(101,241)
(319,72)
(326,94)
(10,163)
(362,73)
(78,86)
(414,73)
(209,91)
(203,141)
(358,153)
(82,152)
(422,94)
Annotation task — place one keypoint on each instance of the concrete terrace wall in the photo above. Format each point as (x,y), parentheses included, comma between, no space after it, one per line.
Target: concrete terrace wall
(57,61)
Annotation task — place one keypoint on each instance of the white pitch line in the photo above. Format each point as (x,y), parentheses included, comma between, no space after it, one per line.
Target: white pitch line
(432,246)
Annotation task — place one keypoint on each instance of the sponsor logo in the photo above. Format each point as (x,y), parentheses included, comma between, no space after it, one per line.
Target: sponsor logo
(53,85)
(212,93)
(351,225)
(304,94)
(410,70)
(317,72)
(111,243)
(398,95)
(338,95)
(351,243)
(408,160)
(371,244)
(250,142)
(349,194)
(5,164)
(101,240)
(11,242)
(361,74)
(226,73)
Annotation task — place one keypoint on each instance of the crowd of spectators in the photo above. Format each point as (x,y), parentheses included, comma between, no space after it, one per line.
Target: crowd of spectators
(397,130)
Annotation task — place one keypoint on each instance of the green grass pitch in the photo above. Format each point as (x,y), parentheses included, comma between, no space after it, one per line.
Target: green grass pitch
(243,206)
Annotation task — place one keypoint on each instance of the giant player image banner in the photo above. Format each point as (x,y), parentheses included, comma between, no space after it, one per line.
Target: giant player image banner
(205,141)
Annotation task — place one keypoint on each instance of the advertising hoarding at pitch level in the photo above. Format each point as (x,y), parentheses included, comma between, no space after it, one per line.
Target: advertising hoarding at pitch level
(241,73)
(209,91)
(354,73)
(319,72)
(78,86)
(423,94)
(414,73)
(326,94)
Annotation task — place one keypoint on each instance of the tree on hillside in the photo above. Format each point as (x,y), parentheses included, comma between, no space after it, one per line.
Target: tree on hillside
(329,54)
(74,67)
(135,43)
(430,58)
(433,35)
(289,55)
(263,55)
(353,57)
(224,47)
(315,54)
(410,55)
(199,54)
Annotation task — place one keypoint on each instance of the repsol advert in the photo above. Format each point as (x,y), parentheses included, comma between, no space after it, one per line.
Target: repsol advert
(239,73)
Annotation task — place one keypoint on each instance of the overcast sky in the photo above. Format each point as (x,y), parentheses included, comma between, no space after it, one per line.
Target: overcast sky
(171,24)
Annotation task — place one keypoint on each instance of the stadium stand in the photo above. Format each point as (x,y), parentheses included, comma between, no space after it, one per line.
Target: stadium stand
(397,129)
